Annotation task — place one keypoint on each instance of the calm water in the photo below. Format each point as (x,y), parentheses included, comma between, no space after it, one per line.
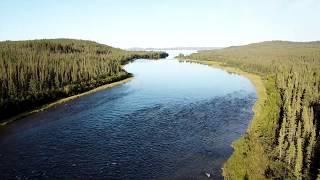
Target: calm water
(172,121)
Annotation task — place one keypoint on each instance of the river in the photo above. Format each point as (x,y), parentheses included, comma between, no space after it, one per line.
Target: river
(174,120)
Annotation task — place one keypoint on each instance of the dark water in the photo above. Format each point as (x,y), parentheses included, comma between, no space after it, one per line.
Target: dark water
(173,121)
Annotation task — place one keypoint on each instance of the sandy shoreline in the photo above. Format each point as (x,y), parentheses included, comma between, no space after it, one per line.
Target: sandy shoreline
(60,101)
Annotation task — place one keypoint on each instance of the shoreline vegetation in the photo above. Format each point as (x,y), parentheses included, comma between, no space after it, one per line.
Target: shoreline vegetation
(282,140)
(35,73)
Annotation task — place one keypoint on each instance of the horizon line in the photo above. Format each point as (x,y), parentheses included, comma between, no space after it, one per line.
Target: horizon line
(167,47)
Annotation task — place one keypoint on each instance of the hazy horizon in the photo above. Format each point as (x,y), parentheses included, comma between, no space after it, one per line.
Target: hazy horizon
(165,24)
(167,47)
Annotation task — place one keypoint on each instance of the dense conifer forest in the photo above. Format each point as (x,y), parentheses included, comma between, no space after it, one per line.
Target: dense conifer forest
(283,140)
(36,72)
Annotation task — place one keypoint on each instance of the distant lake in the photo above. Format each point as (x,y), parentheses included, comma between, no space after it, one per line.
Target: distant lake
(174,120)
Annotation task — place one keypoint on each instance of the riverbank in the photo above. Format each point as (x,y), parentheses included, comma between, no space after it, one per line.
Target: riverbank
(64,100)
(37,72)
(282,140)
(240,145)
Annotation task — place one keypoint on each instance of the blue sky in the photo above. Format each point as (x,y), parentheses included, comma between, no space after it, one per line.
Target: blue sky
(161,23)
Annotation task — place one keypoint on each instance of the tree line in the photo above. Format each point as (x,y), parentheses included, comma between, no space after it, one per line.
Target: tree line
(36,72)
(283,140)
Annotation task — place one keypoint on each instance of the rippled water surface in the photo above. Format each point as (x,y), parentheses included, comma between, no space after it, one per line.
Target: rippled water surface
(174,120)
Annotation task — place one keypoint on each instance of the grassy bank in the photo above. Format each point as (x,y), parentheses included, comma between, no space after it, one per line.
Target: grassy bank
(282,141)
(239,145)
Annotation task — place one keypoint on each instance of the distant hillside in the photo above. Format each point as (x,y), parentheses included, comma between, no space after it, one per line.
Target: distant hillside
(283,140)
(36,72)
(173,48)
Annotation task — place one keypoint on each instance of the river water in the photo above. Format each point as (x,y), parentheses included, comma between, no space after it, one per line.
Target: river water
(174,120)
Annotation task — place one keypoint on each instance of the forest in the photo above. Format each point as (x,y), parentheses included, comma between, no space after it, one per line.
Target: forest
(36,72)
(283,139)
